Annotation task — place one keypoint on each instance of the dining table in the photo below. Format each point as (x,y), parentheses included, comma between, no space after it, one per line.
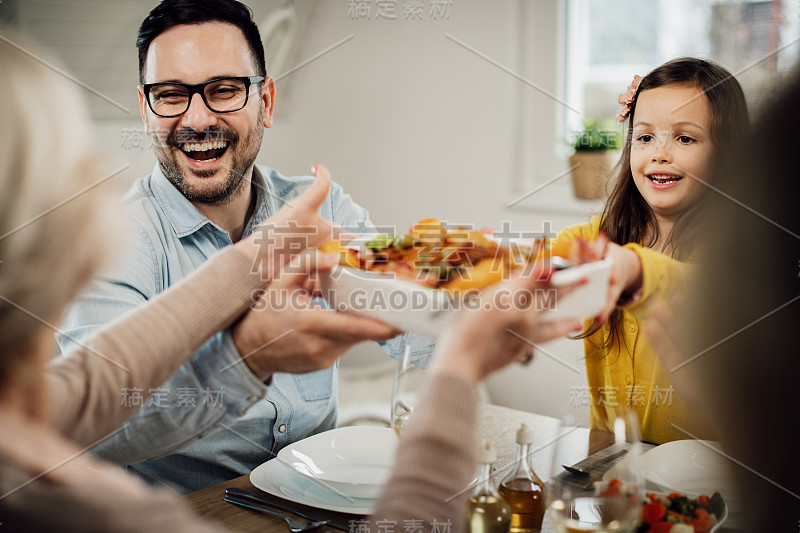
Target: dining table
(496,424)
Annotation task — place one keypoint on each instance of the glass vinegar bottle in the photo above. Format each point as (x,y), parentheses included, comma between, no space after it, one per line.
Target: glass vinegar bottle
(487,512)
(523,490)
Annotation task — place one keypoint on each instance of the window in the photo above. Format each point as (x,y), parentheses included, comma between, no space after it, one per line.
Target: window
(608,41)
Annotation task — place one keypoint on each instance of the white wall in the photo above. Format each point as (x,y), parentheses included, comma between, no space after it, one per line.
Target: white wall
(414,125)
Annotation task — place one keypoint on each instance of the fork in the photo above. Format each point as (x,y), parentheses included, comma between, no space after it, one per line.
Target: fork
(295,525)
(585,470)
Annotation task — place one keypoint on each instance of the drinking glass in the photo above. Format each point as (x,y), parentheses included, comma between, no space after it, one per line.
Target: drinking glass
(407,379)
(614,504)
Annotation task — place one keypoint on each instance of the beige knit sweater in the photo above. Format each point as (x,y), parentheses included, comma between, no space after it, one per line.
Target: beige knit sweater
(49,483)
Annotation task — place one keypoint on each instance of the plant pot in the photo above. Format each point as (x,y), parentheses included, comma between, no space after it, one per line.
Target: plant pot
(590,177)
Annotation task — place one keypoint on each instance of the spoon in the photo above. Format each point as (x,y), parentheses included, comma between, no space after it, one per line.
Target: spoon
(584,471)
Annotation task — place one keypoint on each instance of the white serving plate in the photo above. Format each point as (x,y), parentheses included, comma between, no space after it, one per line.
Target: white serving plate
(351,461)
(416,309)
(279,479)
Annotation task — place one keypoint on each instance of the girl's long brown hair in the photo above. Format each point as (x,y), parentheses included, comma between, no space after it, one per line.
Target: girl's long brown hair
(626,216)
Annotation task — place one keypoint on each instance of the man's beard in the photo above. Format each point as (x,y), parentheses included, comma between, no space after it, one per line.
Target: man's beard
(243,155)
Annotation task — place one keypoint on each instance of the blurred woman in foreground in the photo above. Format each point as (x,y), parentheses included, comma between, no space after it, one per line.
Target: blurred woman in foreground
(55,230)
(733,352)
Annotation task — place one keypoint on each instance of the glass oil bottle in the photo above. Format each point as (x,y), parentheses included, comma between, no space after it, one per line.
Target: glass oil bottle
(523,490)
(488,512)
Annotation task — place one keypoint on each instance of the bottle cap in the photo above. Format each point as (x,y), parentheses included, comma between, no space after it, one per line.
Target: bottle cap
(486,454)
(524,435)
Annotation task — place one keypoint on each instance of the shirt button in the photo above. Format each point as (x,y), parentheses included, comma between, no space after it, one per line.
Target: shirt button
(252,398)
(631,327)
(282,428)
(628,380)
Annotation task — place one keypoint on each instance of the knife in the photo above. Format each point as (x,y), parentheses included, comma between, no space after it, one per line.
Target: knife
(295,525)
(335,519)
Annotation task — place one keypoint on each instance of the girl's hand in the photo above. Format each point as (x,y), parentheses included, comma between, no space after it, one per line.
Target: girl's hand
(625,285)
(626,279)
(499,328)
(626,271)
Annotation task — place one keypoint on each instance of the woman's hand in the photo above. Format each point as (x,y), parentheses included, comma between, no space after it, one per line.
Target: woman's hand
(502,326)
(665,336)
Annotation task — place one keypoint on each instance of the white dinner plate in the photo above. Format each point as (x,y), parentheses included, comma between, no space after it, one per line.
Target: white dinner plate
(692,467)
(278,479)
(355,461)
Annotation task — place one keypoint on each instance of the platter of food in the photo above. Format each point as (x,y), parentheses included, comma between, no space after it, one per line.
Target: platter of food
(415,282)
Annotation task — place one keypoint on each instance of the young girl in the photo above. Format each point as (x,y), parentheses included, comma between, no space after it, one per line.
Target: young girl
(678,116)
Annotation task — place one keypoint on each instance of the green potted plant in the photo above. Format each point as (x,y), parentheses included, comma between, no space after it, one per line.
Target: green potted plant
(597,151)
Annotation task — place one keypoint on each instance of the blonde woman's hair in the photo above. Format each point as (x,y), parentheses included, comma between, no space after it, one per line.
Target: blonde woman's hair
(54,226)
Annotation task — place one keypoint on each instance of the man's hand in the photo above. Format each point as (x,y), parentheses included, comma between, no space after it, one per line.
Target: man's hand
(286,332)
(295,227)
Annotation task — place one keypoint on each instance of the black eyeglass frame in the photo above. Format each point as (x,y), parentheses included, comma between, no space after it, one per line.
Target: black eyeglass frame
(199,88)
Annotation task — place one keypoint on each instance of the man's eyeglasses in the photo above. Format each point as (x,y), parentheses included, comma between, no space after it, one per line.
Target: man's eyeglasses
(223,95)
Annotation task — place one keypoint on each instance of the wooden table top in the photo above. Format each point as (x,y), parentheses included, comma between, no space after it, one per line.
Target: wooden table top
(498,424)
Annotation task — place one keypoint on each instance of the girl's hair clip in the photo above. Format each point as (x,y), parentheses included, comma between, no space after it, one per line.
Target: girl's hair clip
(626,99)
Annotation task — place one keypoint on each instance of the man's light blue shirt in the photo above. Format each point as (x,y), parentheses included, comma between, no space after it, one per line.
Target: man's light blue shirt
(212,420)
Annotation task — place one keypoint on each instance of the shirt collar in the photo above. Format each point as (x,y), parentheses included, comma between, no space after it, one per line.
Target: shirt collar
(186,219)
(264,201)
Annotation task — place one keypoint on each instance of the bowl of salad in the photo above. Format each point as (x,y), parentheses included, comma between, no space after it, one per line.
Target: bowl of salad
(678,513)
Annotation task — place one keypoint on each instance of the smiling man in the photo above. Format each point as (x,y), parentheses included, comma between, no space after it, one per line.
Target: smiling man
(206,136)
(205,98)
